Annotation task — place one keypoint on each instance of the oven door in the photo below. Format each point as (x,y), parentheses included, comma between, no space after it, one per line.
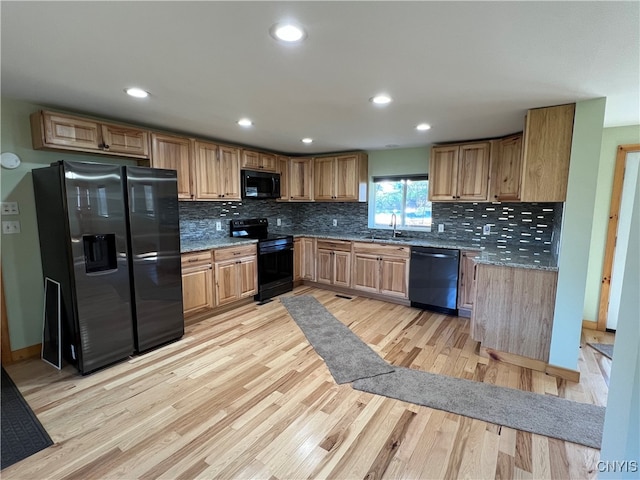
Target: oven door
(275,270)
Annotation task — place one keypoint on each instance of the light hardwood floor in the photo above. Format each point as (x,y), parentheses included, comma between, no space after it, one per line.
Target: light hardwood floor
(243,395)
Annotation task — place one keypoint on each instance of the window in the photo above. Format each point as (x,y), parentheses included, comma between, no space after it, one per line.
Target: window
(407,196)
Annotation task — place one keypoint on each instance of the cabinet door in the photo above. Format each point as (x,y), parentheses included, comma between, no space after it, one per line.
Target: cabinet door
(250,160)
(297,260)
(174,153)
(324,266)
(324,178)
(197,289)
(366,272)
(346,178)
(71,132)
(466,280)
(342,268)
(283,170)
(507,169)
(268,162)
(229,172)
(443,173)
(473,172)
(308,259)
(547,151)
(206,171)
(248,276)
(227,284)
(300,179)
(130,141)
(394,276)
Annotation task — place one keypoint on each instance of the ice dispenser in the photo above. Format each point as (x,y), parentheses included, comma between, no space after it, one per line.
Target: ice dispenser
(100,252)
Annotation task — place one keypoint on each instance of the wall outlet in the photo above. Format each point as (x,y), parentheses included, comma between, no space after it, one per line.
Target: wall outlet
(335,222)
(279,222)
(218,225)
(10,227)
(10,208)
(440,227)
(486,230)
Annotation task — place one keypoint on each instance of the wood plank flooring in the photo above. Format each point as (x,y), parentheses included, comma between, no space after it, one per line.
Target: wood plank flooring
(243,395)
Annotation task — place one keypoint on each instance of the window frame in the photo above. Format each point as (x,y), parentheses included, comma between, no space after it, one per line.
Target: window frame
(395,178)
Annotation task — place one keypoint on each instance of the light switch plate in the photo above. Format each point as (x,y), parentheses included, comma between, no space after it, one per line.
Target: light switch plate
(486,230)
(9,227)
(440,227)
(218,225)
(335,222)
(279,222)
(10,208)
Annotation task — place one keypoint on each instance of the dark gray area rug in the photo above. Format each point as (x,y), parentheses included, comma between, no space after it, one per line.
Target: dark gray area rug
(22,433)
(605,349)
(531,412)
(350,360)
(347,357)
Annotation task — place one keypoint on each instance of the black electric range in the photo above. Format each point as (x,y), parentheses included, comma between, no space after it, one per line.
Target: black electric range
(275,256)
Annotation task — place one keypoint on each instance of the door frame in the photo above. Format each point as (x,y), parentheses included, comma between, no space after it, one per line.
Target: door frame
(612,231)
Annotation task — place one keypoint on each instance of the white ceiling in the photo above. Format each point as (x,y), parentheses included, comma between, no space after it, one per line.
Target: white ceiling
(470,69)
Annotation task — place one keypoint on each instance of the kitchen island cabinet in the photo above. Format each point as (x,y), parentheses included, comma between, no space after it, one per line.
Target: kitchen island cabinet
(333,262)
(197,282)
(513,310)
(459,172)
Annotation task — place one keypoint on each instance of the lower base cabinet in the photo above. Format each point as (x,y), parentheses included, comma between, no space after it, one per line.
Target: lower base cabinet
(381,269)
(466,282)
(236,271)
(333,262)
(197,283)
(514,313)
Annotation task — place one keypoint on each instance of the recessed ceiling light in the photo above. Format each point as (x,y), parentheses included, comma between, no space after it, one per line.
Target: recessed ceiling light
(381,99)
(423,126)
(137,92)
(245,122)
(287,32)
(307,140)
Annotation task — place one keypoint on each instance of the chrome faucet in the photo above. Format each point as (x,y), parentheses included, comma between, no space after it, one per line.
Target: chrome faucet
(393,224)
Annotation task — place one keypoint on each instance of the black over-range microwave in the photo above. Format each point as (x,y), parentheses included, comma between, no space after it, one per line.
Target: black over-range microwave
(260,184)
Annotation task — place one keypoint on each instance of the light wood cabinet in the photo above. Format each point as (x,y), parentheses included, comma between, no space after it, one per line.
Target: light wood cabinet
(513,310)
(283,170)
(197,282)
(174,153)
(236,271)
(506,169)
(459,172)
(308,264)
(340,179)
(300,179)
(252,160)
(333,262)
(216,172)
(379,268)
(547,151)
(297,260)
(466,283)
(58,131)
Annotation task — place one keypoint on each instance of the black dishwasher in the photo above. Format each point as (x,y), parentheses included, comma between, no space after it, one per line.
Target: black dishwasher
(433,279)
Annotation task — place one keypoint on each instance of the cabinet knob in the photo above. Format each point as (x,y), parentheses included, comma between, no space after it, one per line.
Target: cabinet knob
(453,196)
(495,196)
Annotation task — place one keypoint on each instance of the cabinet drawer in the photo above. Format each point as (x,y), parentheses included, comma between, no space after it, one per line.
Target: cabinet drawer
(196,259)
(341,245)
(229,253)
(382,249)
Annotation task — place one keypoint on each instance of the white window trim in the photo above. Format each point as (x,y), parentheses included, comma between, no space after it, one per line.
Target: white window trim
(372,200)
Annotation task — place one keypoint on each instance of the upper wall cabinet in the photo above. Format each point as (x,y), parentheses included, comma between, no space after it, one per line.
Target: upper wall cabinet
(547,150)
(506,169)
(283,170)
(341,179)
(58,131)
(216,172)
(300,179)
(174,153)
(258,161)
(459,172)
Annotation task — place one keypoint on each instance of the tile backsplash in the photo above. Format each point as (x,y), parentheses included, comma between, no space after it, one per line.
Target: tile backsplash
(521,225)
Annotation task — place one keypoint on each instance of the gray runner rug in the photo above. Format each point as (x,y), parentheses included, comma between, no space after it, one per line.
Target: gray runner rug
(350,360)
(347,357)
(531,412)
(605,349)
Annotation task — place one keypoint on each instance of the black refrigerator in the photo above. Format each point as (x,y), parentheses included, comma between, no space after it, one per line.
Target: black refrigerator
(110,236)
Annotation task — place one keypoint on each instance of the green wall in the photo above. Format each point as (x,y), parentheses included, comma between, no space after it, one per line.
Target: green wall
(21,268)
(576,233)
(611,138)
